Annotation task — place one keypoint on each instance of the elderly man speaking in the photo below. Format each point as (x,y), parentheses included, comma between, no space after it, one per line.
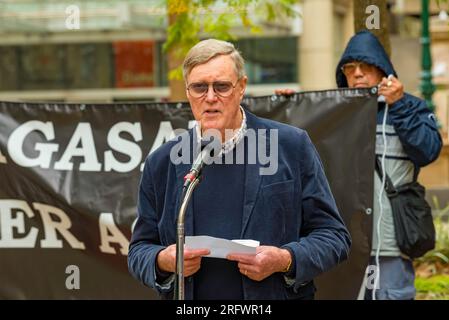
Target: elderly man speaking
(291,211)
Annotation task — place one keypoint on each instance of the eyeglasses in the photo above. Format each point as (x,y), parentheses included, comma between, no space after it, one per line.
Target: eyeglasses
(221,88)
(349,68)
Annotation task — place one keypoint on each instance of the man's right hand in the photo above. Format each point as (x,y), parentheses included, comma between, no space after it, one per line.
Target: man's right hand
(166,259)
(284,92)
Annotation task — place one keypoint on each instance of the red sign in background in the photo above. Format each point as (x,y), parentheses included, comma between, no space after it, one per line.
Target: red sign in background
(134,64)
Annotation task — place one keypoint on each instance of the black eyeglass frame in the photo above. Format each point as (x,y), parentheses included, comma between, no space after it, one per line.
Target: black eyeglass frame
(357,64)
(213,88)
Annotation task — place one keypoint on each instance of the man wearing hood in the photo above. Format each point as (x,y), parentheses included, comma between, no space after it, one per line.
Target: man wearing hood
(413,142)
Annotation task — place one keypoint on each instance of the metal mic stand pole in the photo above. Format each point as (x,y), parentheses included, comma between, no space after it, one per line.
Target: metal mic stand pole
(179,293)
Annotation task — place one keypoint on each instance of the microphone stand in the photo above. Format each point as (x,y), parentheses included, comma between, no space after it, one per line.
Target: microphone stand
(187,194)
(191,180)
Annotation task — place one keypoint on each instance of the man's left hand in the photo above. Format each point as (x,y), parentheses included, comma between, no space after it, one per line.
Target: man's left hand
(267,261)
(392,89)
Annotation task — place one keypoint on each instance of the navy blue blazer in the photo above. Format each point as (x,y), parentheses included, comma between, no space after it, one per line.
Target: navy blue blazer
(292,208)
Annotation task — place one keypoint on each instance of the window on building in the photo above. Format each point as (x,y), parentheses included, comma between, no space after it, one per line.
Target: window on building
(270,60)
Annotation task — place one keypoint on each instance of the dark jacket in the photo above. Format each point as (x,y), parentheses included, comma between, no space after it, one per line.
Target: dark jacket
(293,208)
(413,140)
(413,122)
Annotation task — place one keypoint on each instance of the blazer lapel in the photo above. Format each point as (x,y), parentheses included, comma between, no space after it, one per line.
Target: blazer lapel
(253,178)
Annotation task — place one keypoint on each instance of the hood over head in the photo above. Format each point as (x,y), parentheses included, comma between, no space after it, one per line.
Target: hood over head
(365,47)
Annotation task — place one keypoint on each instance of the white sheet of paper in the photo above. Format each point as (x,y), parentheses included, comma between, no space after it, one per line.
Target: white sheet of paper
(220,248)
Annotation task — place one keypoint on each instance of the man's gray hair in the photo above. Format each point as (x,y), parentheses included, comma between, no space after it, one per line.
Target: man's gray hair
(208,49)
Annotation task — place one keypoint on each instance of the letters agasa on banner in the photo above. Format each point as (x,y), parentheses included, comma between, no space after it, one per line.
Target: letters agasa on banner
(69,175)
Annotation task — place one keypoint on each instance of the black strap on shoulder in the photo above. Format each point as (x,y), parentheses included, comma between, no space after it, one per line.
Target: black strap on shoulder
(389,187)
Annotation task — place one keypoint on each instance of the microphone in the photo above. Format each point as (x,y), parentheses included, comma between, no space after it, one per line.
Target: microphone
(203,158)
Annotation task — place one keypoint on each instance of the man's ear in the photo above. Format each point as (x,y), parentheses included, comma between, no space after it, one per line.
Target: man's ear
(243,82)
(187,91)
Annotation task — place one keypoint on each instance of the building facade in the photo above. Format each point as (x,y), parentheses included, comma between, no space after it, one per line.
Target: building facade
(115,53)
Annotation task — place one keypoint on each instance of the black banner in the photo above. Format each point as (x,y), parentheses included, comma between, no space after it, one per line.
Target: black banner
(69,175)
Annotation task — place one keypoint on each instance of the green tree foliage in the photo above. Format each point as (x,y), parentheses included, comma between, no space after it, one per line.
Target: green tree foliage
(191,20)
